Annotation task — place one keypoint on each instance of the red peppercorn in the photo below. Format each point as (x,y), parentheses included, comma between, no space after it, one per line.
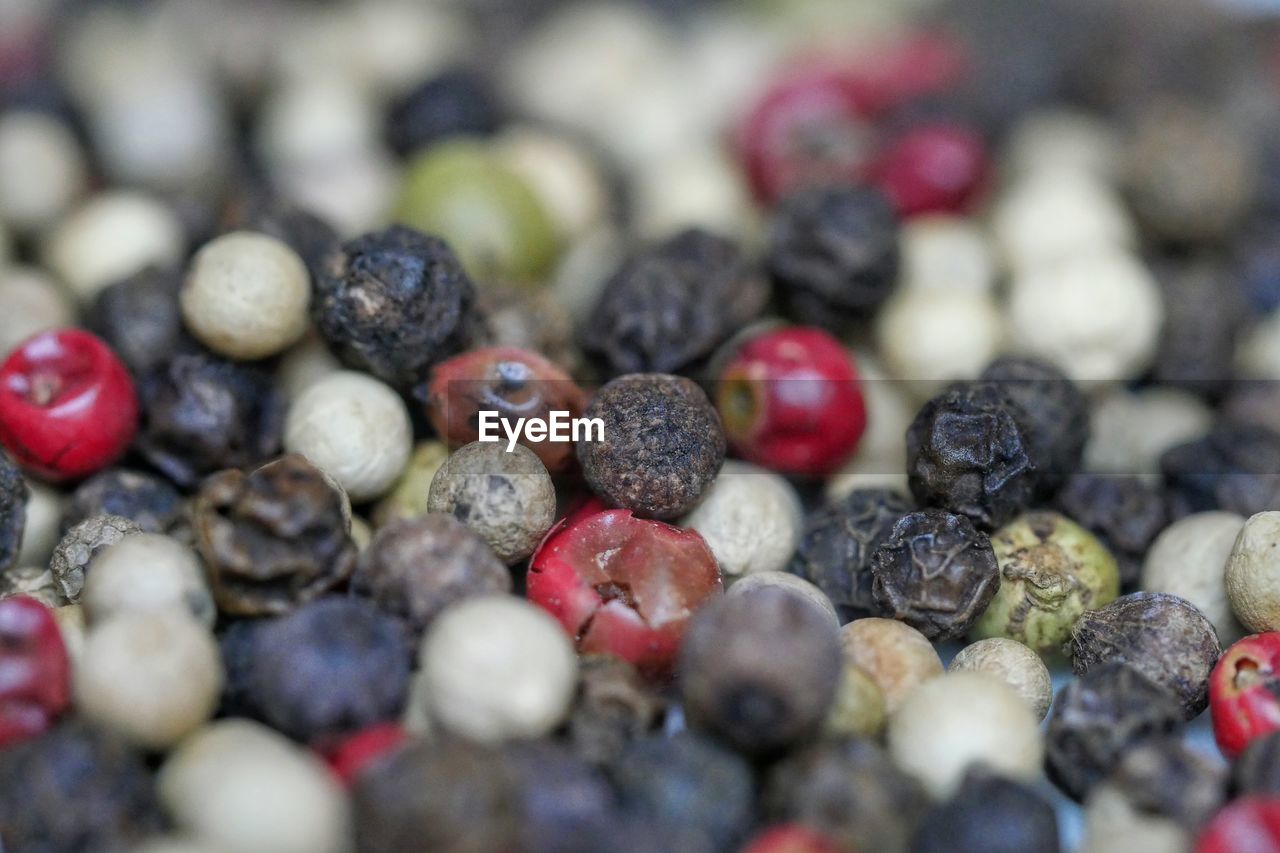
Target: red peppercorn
(35,674)
(623,585)
(67,405)
(349,757)
(790,838)
(790,401)
(920,65)
(1248,825)
(1243,687)
(933,168)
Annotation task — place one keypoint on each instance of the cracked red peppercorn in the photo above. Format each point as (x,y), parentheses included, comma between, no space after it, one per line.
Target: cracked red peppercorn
(1244,692)
(35,674)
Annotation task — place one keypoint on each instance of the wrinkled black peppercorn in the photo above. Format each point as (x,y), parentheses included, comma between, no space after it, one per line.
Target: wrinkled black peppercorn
(1257,770)
(140,319)
(333,666)
(1233,468)
(759,670)
(566,805)
(672,304)
(850,790)
(662,446)
(1097,718)
(304,232)
(201,414)
(1126,513)
(833,252)
(989,814)
(840,540)
(1204,312)
(394,302)
(146,500)
(274,538)
(936,572)
(13,510)
(1167,778)
(613,707)
(1054,414)
(966,452)
(456,102)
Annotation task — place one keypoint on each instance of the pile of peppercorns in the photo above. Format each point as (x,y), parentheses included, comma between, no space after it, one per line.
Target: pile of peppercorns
(934,351)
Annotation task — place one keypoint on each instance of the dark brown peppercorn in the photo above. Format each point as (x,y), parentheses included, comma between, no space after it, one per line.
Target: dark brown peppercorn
(663,444)
(1167,778)
(833,252)
(394,302)
(1233,468)
(13,510)
(415,568)
(759,670)
(532,320)
(146,500)
(1100,716)
(274,538)
(1203,314)
(850,790)
(613,707)
(1126,513)
(989,814)
(1053,415)
(304,232)
(839,542)
(140,319)
(1162,636)
(201,414)
(456,102)
(1257,770)
(936,572)
(966,453)
(672,304)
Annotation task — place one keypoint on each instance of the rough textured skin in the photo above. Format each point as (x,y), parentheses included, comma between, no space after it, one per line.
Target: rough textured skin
(1126,513)
(393,303)
(989,814)
(78,546)
(1162,636)
(935,572)
(1252,583)
(672,304)
(13,511)
(896,656)
(614,706)
(1054,414)
(1014,664)
(663,444)
(1233,468)
(146,500)
(1168,778)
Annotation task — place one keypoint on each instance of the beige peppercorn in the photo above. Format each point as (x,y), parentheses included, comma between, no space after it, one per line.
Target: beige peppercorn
(71,624)
(750,518)
(896,656)
(1253,573)
(408,498)
(33,302)
(1189,559)
(1013,663)
(147,572)
(858,707)
(789,582)
(42,530)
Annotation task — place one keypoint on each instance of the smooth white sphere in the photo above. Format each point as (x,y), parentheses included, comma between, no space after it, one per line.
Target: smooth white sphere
(927,338)
(942,252)
(43,527)
(750,518)
(1053,215)
(563,175)
(1130,430)
(147,572)
(1189,559)
(42,169)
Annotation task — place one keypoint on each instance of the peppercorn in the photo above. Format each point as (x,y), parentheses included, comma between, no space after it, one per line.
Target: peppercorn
(1014,664)
(33,302)
(35,582)
(147,572)
(13,511)
(455,102)
(536,321)
(79,546)
(350,755)
(833,251)
(839,541)
(915,335)
(1249,575)
(301,230)
(991,814)
(42,168)
(661,448)
(1257,769)
(1131,430)
(1248,823)
(858,707)
(1204,313)
(670,306)
(1097,718)
(790,583)
(612,708)
(1243,699)
(1232,469)
(967,453)
(1054,415)
(408,497)
(201,414)
(1253,401)
(896,656)
(37,686)
(849,790)
(935,572)
(393,302)
(1168,778)
(140,319)
(1125,513)
(146,500)
(1051,571)
(790,838)
(237,646)
(75,788)
(1162,636)
(750,518)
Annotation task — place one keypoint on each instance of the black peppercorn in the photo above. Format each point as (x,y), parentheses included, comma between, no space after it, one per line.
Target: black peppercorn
(140,319)
(839,542)
(237,647)
(146,500)
(613,707)
(1167,778)
(333,666)
(304,232)
(13,510)
(936,572)
(850,790)
(759,670)
(1054,414)
(394,302)
(1126,513)
(833,252)
(1162,636)
(201,413)
(662,444)
(274,538)
(1257,769)
(455,102)
(672,304)
(1097,718)
(1232,468)
(1203,315)
(989,814)
(967,453)
(566,805)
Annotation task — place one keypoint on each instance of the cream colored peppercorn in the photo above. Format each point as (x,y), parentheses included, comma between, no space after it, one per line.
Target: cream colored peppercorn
(153,678)
(896,656)
(941,252)
(306,362)
(916,336)
(42,169)
(70,619)
(1013,663)
(751,519)
(147,572)
(1064,140)
(42,529)
(408,499)
(1113,825)
(246,296)
(497,667)
(33,302)
(858,707)
(240,787)
(1189,559)
(789,582)
(1052,215)
(1253,573)
(881,459)
(1130,430)
(353,427)
(961,719)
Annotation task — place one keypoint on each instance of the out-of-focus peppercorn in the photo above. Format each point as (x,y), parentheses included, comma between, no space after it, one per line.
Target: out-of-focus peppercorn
(36,688)
(13,511)
(614,706)
(300,229)
(455,102)
(1257,769)
(1168,778)
(146,500)
(1204,312)
(1232,468)
(989,814)
(140,319)
(78,546)
(1126,513)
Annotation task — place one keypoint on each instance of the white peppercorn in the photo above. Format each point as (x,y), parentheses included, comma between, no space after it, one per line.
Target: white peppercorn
(858,707)
(1052,215)
(353,427)
(1253,584)
(791,583)
(305,363)
(246,296)
(880,461)
(560,172)
(1062,139)
(33,302)
(41,531)
(896,656)
(497,668)
(751,519)
(1189,559)
(1114,825)
(1130,430)
(74,551)
(147,572)
(151,677)
(943,252)
(1013,663)
(33,581)
(915,334)
(42,169)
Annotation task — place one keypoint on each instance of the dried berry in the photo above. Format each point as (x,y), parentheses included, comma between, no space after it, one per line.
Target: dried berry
(35,582)
(140,320)
(1126,513)
(1204,311)
(1162,636)
(415,568)
(840,540)
(989,814)
(1257,769)
(1245,824)
(533,321)
(935,572)
(933,167)
(1233,468)
(897,657)
(1013,663)
(1244,692)
(36,688)
(304,232)
(350,755)
(833,252)
(613,707)
(146,500)
(237,646)
(393,302)
(13,511)
(565,804)
(78,545)
(273,538)
(672,304)
(1097,718)
(455,102)
(1054,414)
(1167,778)
(662,444)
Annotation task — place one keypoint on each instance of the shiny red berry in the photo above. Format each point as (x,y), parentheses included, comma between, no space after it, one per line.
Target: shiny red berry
(67,405)
(349,757)
(623,585)
(1248,825)
(791,838)
(790,400)
(1243,692)
(933,168)
(35,674)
